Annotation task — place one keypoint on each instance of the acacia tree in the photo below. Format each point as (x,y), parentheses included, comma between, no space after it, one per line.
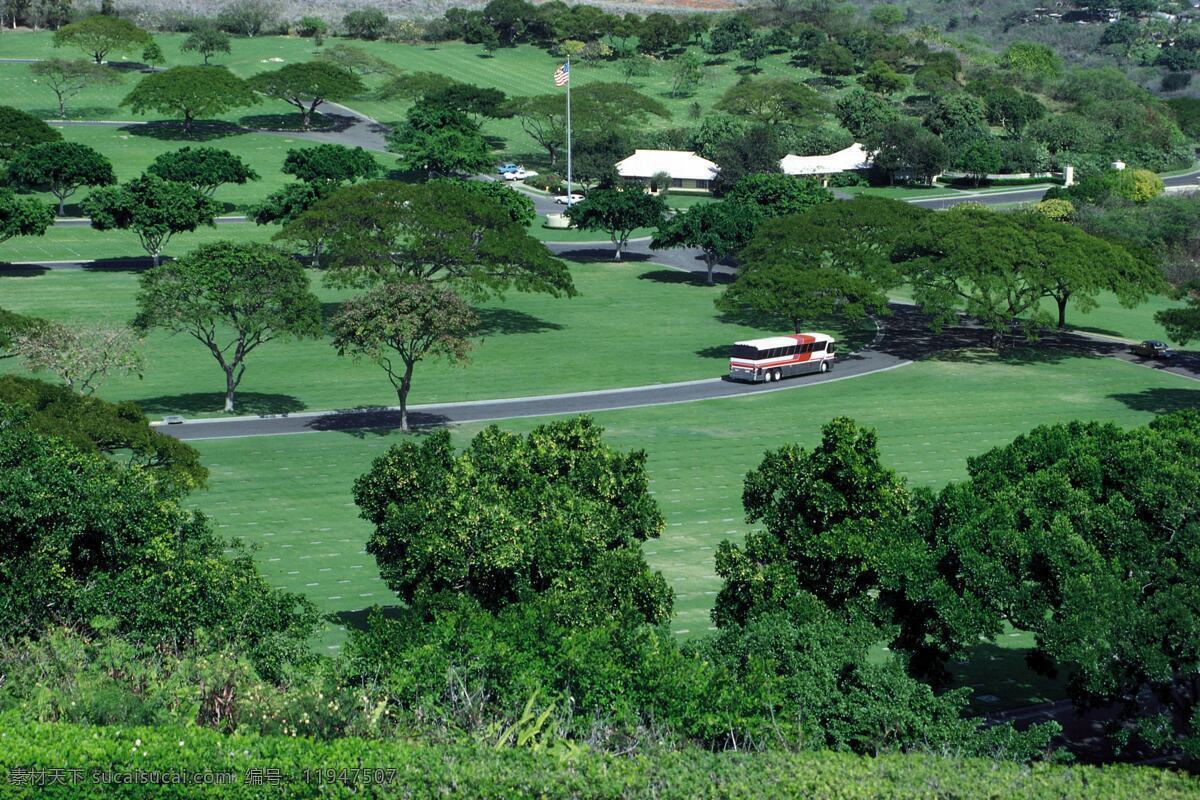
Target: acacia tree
(60,168)
(771,101)
(67,78)
(405,320)
(100,35)
(82,356)
(330,165)
(720,230)
(207,42)
(776,194)
(23,216)
(19,130)
(231,298)
(617,213)
(382,230)
(440,140)
(308,85)
(152,208)
(13,325)
(831,261)
(203,168)
(190,93)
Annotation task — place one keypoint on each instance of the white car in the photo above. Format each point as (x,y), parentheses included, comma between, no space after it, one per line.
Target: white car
(571,199)
(519,175)
(174,419)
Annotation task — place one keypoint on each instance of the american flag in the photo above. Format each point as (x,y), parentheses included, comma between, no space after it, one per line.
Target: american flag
(560,75)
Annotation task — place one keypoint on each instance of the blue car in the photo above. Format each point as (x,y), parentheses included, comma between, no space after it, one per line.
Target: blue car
(507,168)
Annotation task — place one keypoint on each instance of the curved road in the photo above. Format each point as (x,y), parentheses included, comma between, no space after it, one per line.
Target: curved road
(904,338)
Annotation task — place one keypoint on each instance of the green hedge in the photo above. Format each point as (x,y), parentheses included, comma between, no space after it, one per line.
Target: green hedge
(427,771)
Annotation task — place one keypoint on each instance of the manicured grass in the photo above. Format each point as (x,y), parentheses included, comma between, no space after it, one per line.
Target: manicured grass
(631,324)
(80,242)
(291,494)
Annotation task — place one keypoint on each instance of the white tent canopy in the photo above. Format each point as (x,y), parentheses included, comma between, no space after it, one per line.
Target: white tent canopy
(678,164)
(851,158)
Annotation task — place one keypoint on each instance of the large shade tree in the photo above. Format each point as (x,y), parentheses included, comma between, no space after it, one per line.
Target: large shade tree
(203,168)
(21,216)
(399,323)
(152,208)
(102,34)
(381,230)
(719,230)
(440,140)
(19,130)
(618,213)
(60,168)
(190,93)
(68,77)
(772,101)
(307,85)
(232,298)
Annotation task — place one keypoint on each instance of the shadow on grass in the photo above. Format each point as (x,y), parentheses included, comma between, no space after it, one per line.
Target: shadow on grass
(173,131)
(1160,401)
(356,619)
(291,123)
(75,113)
(375,421)
(506,321)
(22,270)
(693,278)
(124,264)
(718,351)
(591,255)
(202,402)
(1100,331)
(1001,678)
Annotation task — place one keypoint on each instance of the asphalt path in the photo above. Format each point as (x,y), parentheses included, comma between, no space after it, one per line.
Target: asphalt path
(904,337)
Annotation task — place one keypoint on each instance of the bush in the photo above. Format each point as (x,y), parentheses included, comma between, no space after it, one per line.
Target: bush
(1174,81)
(366,23)
(547,182)
(372,769)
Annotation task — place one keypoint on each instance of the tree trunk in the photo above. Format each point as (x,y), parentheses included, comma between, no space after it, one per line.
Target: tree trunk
(1062,309)
(156,257)
(619,242)
(710,262)
(402,394)
(230,388)
(61,207)
(62,108)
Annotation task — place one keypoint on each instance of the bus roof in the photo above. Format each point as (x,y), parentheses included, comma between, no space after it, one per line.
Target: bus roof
(786,341)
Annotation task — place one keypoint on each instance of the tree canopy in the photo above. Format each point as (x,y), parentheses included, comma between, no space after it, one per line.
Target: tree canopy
(207,42)
(190,93)
(381,230)
(23,216)
(68,77)
(231,298)
(101,34)
(60,168)
(307,85)
(19,130)
(203,168)
(152,208)
(771,101)
(720,230)
(776,194)
(330,165)
(440,140)
(618,213)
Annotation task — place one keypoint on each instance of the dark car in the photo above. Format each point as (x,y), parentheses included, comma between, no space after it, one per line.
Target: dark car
(1152,348)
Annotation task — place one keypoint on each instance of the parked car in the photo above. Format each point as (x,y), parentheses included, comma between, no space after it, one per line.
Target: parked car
(174,419)
(507,168)
(1152,348)
(573,198)
(519,174)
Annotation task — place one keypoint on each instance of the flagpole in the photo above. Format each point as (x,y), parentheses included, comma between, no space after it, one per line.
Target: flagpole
(568,130)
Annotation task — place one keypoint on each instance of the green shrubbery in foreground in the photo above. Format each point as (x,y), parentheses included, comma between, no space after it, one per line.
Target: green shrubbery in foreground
(420,771)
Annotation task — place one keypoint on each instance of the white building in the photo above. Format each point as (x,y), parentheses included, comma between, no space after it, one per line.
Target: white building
(855,157)
(688,171)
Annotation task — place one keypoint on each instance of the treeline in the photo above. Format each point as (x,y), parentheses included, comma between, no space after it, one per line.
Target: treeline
(533,622)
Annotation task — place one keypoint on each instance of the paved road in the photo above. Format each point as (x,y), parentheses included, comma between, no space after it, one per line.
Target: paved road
(904,338)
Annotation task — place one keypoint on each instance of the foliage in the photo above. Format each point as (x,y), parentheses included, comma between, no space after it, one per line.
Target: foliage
(357,60)
(152,208)
(365,23)
(248,17)
(383,230)
(755,150)
(618,213)
(118,430)
(100,35)
(863,113)
(285,204)
(328,166)
(190,93)
(414,320)
(720,230)
(60,168)
(519,206)
(89,542)
(207,42)
(68,77)
(1138,185)
(1182,324)
(440,140)
(831,261)
(203,168)
(307,85)
(1057,210)
(903,148)
(81,356)
(777,194)
(882,79)
(687,73)
(19,130)
(23,216)
(557,515)
(231,298)
(771,101)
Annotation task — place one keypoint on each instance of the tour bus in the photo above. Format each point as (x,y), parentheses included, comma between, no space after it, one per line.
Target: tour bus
(779,357)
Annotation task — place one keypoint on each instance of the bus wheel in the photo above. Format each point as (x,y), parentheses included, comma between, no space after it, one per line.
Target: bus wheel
(824,366)
(776,375)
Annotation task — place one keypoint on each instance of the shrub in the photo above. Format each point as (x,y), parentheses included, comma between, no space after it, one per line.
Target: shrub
(1174,81)
(365,23)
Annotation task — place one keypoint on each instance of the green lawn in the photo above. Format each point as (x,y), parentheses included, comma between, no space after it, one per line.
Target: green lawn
(291,494)
(631,324)
(80,242)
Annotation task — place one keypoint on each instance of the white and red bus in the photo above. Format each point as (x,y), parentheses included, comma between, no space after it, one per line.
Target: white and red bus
(779,357)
